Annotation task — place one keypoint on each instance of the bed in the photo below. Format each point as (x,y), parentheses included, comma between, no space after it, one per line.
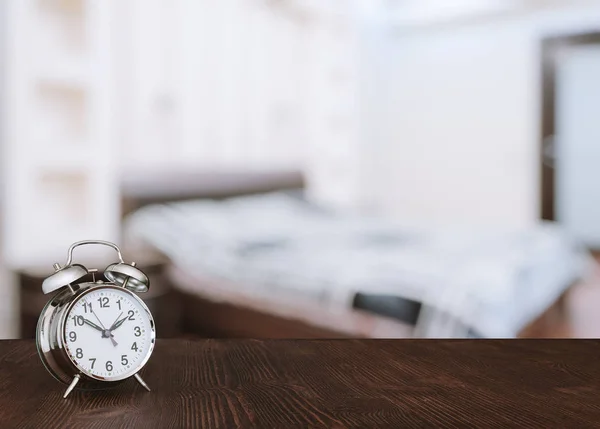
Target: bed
(251,257)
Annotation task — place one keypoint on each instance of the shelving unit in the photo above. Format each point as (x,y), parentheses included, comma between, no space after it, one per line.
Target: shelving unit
(59,134)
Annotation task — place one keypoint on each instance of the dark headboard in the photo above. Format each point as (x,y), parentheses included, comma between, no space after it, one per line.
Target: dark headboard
(142,189)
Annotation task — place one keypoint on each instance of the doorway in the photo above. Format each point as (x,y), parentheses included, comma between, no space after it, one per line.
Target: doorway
(570,135)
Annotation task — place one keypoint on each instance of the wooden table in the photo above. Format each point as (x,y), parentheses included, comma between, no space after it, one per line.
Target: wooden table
(341,383)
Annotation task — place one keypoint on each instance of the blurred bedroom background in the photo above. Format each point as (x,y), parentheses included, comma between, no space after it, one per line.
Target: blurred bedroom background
(309,168)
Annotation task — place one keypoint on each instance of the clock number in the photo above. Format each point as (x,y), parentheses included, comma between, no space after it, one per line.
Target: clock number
(87,305)
(93,360)
(119,304)
(124,360)
(79,353)
(72,336)
(138,331)
(134,347)
(78,320)
(131,313)
(109,366)
(103,302)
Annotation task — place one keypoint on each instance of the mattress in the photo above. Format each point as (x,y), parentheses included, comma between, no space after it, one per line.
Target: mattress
(283,251)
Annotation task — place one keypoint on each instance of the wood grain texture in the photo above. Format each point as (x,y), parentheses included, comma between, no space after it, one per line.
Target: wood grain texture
(322,383)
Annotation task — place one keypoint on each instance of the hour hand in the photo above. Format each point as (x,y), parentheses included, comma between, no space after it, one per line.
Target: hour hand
(93,325)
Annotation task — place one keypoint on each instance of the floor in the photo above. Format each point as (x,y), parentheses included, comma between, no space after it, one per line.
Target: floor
(582,309)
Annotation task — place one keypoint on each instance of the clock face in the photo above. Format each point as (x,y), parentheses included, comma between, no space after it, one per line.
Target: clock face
(109,333)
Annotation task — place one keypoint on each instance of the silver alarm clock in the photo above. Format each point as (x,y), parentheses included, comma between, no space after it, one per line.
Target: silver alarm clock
(95,333)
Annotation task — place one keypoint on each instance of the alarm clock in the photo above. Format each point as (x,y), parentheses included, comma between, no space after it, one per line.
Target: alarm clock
(95,334)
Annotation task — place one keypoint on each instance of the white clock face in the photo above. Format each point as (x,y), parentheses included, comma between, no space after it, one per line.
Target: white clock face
(109,333)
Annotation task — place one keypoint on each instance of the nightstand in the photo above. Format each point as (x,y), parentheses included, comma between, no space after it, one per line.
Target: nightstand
(161,299)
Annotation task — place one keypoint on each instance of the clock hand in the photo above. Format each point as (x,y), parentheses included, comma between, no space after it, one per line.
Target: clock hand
(112,340)
(119,323)
(98,319)
(116,320)
(93,325)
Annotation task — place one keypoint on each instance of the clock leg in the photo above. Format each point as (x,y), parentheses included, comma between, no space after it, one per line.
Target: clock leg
(142,382)
(72,385)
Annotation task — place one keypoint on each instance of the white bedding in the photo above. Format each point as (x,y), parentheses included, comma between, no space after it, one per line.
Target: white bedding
(281,248)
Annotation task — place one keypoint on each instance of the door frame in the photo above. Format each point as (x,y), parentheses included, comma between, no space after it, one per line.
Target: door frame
(551,48)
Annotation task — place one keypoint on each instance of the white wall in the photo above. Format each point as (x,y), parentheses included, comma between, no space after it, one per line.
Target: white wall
(460,137)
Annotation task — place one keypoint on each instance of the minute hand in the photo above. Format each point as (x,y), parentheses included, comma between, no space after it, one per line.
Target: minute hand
(119,323)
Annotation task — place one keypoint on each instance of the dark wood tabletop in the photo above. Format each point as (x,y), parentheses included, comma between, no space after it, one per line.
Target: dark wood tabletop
(340,383)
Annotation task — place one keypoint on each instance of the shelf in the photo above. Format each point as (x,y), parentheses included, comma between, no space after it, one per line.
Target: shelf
(70,6)
(60,207)
(60,26)
(64,74)
(61,113)
(65,158)
(62,195)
